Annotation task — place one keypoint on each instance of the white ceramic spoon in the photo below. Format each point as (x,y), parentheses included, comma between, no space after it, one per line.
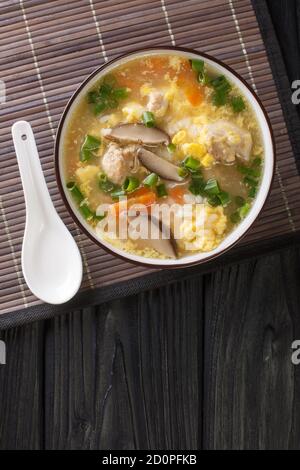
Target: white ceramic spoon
(51,261)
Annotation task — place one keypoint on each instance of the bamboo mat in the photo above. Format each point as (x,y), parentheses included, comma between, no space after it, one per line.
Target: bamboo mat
(48,47)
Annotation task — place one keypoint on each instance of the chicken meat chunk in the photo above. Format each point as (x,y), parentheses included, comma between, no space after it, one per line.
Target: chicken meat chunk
(157,103)
(118,161)
(226,141)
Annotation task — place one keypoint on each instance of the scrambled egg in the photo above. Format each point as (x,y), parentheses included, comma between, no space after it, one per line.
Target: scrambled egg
(204,230)
(85,176)
(132,112)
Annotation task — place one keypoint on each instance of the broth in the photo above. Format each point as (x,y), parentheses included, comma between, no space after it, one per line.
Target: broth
(185,114)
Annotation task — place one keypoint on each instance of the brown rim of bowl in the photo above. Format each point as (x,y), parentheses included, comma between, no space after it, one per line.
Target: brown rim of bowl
(58,136)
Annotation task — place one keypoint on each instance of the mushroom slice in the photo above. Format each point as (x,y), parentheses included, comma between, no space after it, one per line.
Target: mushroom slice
(165,246)
(158,165)
(138,134)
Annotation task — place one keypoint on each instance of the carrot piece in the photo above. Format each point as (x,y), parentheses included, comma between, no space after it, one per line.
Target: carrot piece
(194,95)
(141,196)
(177,194)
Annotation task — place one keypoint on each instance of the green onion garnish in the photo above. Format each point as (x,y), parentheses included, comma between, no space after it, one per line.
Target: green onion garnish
(197,186)
(237,104)
(148,119)
(171,148)
(75,191)
(222,88)
(117,193)
(130,184)
(257,162)
(191,164)
(86,211)
(161,190)
(106,96)
(252,192)
(151,180)
(224,198)
(212,187)
(183,172)
(197,65)
(83,207)
(213,200)
(251,182)
(243,211)
(120,93)
(105,184)
(89,147)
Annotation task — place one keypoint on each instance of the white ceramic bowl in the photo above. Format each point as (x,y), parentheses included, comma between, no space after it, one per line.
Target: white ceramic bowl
(268,167)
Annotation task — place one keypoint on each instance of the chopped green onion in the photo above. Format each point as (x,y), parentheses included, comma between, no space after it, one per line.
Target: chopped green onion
(182,172)
(197,186)
(161,190)
(86,211)
(117,193)
(191,163)
(92,97)
(197,65)
(237,104)
(89,147)
(80,200)
(221,83)
(171,148)
(246,170)
(75,191)
(235,217)
(105,90)
(257,161)
(243,211)
(252,192)
(120,93)
(222,87)
(224,198)
(151,180)
(105,184)
(130,184)
(213,200)
(250,182)
(106,96)
(219,98)
(240,201)
(148,119)
(99,107)
(212,187)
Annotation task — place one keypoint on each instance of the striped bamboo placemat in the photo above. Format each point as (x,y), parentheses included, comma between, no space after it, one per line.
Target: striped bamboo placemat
(48,47)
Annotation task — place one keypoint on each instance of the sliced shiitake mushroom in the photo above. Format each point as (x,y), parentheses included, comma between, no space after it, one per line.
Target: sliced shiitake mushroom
(137,134)
(165,246)
(158,165)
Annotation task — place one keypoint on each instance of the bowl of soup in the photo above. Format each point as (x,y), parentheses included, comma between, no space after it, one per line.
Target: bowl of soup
(164,157)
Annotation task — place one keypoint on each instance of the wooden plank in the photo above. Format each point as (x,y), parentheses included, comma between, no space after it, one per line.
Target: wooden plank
(130,373)
(21,388)
(251,386)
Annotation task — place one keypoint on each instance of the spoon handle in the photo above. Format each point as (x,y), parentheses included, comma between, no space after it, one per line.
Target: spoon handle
(37,197)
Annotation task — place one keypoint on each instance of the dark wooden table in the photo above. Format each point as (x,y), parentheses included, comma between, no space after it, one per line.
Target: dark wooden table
(204,363)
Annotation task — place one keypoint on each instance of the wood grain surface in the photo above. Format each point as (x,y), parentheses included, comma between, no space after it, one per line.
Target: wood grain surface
(204,363)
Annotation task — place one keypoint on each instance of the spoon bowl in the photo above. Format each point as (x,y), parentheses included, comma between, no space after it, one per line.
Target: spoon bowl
(51,260)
